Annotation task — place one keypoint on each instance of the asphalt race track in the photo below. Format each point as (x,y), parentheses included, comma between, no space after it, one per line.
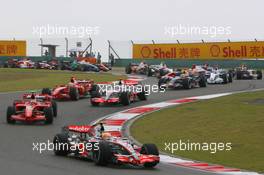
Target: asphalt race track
(17,156)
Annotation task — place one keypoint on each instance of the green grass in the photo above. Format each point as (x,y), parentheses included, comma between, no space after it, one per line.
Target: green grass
(27,79)
(238,119)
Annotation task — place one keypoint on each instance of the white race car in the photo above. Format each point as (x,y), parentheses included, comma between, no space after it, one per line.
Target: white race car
(220,76)
(158,70)
(26,63)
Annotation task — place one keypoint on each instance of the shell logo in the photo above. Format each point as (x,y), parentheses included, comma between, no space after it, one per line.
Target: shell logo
(215,50)
(145,52)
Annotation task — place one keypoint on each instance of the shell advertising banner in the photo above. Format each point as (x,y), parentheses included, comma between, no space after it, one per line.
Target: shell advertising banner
(216,50)
(13,48)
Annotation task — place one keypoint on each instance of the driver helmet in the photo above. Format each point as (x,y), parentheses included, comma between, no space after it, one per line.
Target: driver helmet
(106,136)
(33,95)
(101,127)
(184,71)
(206,66)
(120,82)
(73,79)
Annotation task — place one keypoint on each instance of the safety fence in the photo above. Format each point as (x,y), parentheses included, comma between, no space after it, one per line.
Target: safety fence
(257,64)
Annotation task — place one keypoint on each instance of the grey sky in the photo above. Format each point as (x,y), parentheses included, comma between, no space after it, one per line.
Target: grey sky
(134,19)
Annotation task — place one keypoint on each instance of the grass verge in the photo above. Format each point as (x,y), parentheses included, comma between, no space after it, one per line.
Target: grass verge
(26,79)
(238,119)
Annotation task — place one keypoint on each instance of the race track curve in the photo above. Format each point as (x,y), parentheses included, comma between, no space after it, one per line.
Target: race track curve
(17,157)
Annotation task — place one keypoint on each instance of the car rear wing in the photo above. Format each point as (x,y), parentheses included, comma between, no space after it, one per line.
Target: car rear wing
(80,128)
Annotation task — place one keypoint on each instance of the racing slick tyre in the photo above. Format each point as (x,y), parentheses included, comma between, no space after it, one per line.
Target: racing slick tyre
(82,68)
(158,75)
(162,72)
(46,91)
(11,110)
(128,69)
(142,95)
(11,65)
(186,84)
(225,80)
(61,144)
(202,82)
(259,74)
(94,103)
(103,155)
(230,77)
(94,92)
(37,66)
(65,130)
(5,65)
(63,67)
(54,108)
(145,71)
(149,73)
(48,112)
(232,73)
(150,149)
(162,82)
(74,94)
(16,102)
(238,75)
(124,98)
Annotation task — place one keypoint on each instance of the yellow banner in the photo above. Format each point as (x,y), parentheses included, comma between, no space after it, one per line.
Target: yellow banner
(13,48)
(216,50)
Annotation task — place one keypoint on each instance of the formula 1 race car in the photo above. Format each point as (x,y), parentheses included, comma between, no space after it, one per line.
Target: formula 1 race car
(32,108)
(11,63)
(124,92)
(242,73)
(177,80)
(136,68)
(158,70)
(149,70)
(104,67)
(220,76)
(85,66)
(103,149)
(66,65)
(52,65)
(26,63)
(75,90)
(80,66)
(19,63)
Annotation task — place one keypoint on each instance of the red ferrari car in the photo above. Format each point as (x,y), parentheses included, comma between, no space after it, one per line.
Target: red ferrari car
(125,92)
(75,90)
(103,149)
(32,108)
